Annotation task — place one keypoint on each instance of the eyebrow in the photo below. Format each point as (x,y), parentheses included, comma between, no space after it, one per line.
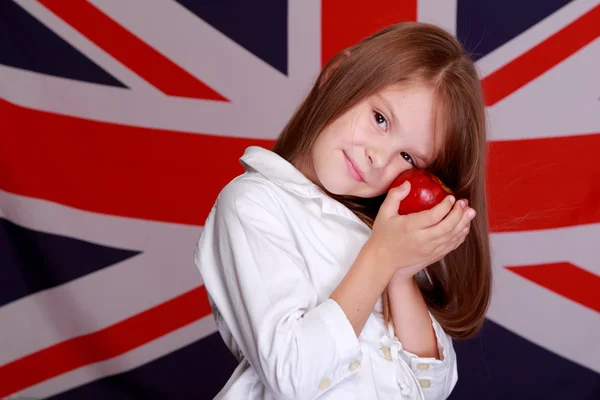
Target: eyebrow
(396,122)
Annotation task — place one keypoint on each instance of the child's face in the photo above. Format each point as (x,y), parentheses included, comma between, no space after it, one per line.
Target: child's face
(365,149)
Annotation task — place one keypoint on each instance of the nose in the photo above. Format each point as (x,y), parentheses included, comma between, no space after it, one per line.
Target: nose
(378,158)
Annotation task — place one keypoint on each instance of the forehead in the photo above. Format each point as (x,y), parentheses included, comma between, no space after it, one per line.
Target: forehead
(412,102)
(413,109)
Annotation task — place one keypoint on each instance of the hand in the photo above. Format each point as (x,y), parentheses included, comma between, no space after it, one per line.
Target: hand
(409,243)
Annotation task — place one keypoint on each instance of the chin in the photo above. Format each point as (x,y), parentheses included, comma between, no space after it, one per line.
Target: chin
(350,190)
(335,189)
(365,193)
(333,185)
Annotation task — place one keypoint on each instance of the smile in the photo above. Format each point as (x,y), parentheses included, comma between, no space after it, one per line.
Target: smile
(353,169)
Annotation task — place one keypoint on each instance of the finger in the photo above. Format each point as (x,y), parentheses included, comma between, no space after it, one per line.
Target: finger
(460,240)
(465,222)
(452,245)
(445,229)
(464,225)
(391,203)
(434,215)
(462,229)
(461,237)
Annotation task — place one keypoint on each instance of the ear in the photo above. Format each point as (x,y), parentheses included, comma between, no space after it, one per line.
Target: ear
(331,69)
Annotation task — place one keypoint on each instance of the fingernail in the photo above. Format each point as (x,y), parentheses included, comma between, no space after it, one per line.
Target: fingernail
(471,214)
(404,185)
(462,203)
(452,199)
(466,230)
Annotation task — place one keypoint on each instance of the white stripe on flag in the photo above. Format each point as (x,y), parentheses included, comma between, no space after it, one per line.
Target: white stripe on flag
(536,313)
(123,106)
(304,46)
(197,47)
(564,101)
(534,35)
(87,48)
(442,13)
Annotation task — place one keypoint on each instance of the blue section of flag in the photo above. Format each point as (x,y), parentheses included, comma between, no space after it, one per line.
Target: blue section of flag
(498,364)
(33,261)
(28,44)
(483,26)
(196,371)
(260,27)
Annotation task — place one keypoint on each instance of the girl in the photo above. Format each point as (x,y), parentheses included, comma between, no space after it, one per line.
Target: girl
(318,286)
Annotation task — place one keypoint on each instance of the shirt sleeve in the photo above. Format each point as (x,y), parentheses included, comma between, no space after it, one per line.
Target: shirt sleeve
(256,278)
(436,377)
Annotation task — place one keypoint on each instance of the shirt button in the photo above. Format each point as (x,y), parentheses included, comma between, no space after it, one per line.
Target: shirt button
(325,383)
(386,353)
(423,367)
(354,365)
(425,383)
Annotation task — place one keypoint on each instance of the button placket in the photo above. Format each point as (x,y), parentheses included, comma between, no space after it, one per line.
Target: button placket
(354,365)
(423,366)
(325,383)
(425,383)
(390,352)
(386,353)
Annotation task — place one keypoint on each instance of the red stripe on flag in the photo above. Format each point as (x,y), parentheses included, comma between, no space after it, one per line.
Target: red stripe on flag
(566,280)
(104,344)
(542,57)
(170,176)
(165,75)
(544,183)
(116,169)
(346,22)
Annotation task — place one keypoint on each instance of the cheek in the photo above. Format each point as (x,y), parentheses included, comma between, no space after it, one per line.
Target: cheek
(332,136)
(392,173)
(356,131)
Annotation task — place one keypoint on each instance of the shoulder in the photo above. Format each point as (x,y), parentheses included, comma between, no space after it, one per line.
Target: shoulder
(247,195)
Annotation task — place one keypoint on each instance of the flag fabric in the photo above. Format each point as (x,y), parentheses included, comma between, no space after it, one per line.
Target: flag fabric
(122,120)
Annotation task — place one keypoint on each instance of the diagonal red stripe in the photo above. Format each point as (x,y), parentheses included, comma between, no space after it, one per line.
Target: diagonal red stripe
(542,57)
(104,344)
(115,169)
(130,50)
(170,176)
(566,280)
(345,22)
(544,183)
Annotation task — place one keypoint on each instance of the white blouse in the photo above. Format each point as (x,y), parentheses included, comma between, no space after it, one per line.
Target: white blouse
(273,249)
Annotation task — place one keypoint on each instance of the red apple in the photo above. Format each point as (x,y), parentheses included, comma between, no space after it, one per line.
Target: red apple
(426,191)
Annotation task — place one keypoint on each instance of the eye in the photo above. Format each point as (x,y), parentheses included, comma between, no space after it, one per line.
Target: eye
(408,158)
(380,120)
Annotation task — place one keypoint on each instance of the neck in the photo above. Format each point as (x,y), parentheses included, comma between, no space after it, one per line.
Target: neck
(305,165)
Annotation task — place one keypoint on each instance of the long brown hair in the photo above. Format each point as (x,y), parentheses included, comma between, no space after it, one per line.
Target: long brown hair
(457,290)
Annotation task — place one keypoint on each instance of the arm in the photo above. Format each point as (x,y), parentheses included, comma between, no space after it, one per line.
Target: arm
(427,349)
(410,315)
(360,289)
(255,276)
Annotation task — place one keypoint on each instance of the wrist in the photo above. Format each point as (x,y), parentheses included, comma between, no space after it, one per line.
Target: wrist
(400,279)
(379,258)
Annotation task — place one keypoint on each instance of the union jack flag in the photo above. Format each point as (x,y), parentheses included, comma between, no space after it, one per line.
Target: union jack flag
(122,120)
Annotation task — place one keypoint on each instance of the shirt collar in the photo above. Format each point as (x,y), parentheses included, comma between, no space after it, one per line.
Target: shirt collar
(279,171)
(284,174)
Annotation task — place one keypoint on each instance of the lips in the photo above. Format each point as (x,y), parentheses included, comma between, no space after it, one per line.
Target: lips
(353,170)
